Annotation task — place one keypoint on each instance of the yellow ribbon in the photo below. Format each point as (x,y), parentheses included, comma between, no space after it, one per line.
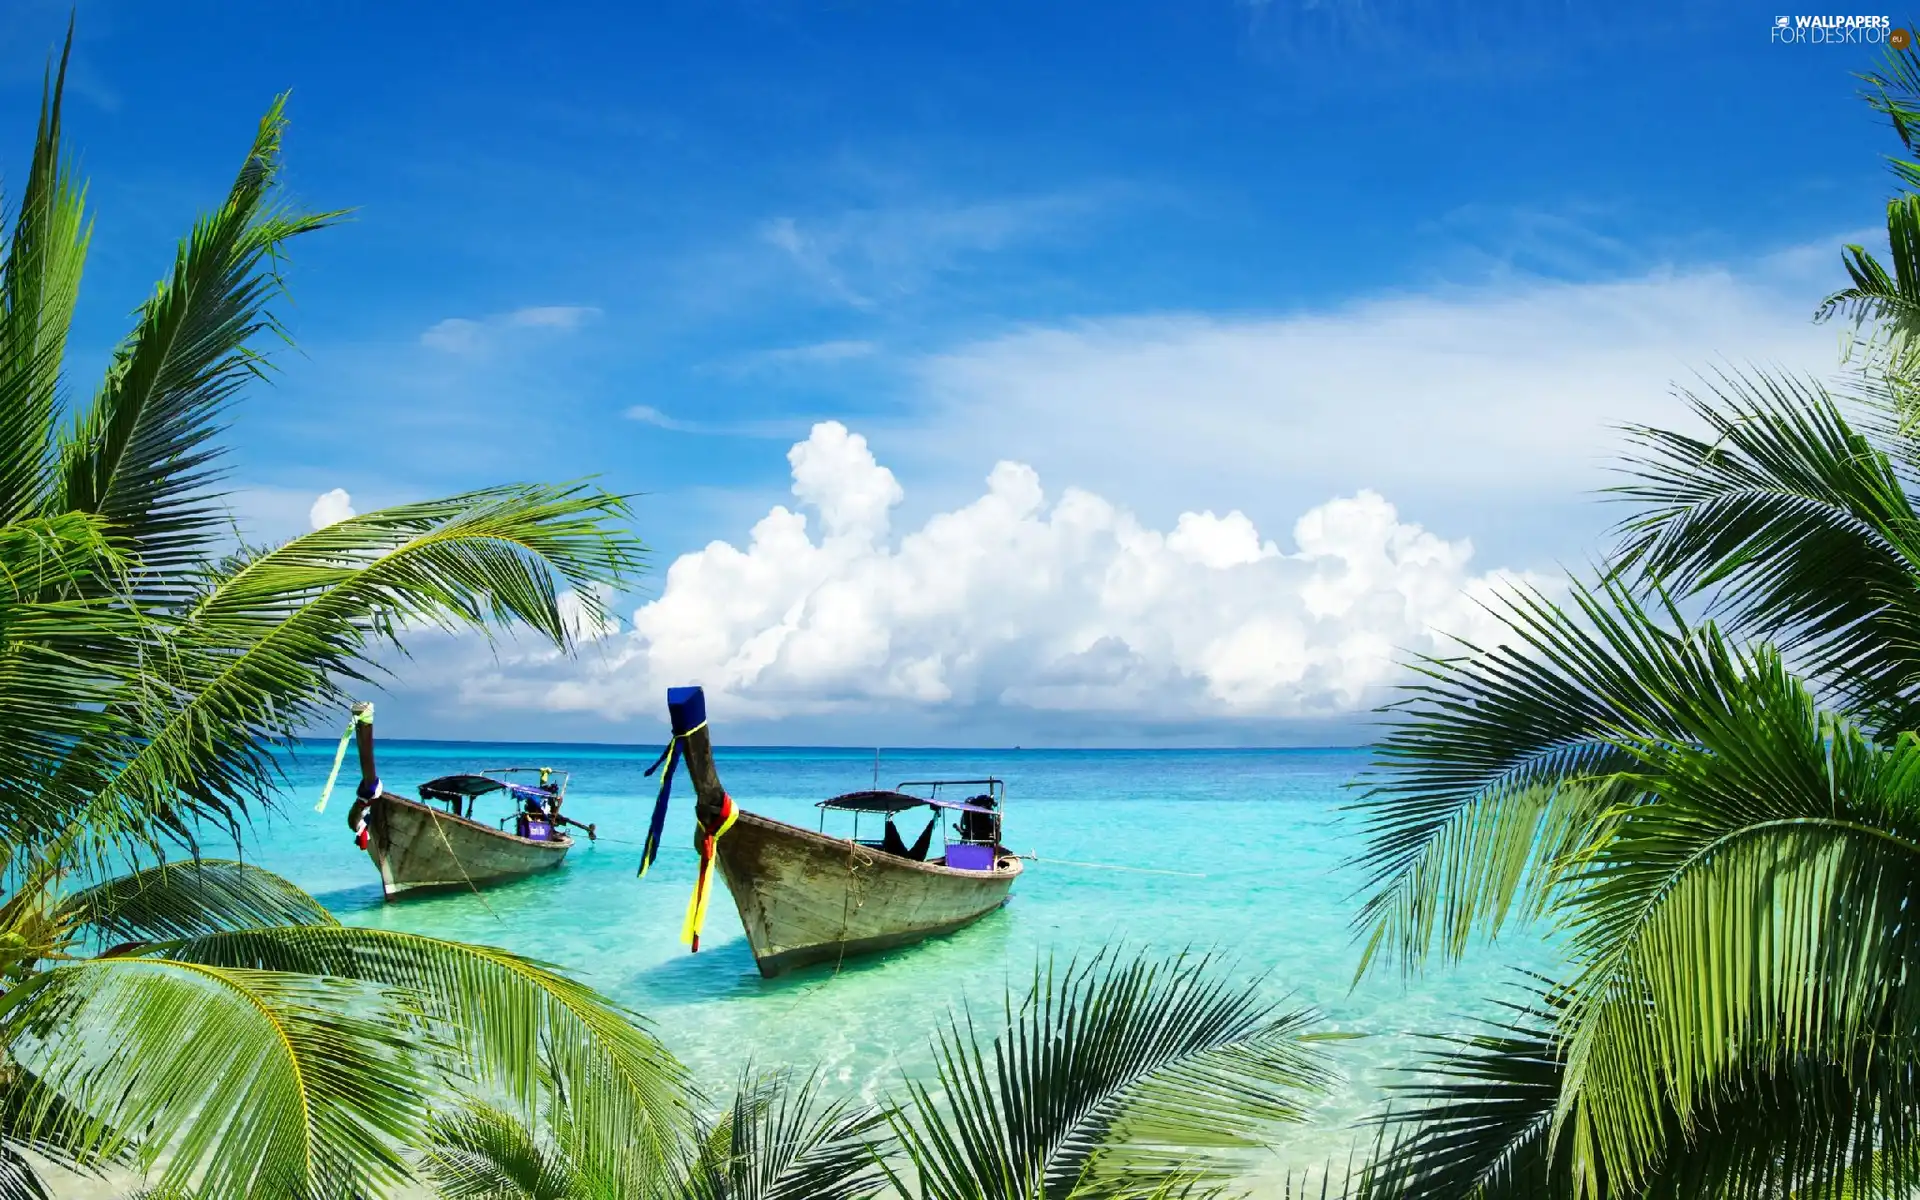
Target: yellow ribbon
(703,879)
(340,755)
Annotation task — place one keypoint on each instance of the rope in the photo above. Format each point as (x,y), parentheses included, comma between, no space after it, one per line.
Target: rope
(362,717)
(855,851)
(448,846)
(1063,862)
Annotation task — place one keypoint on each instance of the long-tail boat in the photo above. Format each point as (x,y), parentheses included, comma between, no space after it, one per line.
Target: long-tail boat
(436,842)
(806,897)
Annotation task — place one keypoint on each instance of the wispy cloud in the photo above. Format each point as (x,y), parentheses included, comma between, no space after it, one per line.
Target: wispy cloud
(864,256)
(463,335)
(791,359)
(646,414)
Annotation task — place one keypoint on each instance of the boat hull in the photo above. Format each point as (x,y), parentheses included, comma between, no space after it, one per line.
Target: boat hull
(417,848)
(807,898)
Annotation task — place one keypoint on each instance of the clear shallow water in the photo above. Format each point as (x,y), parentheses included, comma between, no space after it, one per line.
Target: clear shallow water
(1257,835)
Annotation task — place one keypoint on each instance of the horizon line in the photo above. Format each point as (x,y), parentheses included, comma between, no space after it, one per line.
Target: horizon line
(748,745)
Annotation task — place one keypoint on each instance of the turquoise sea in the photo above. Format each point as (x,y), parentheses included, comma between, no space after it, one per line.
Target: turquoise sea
(1254,842)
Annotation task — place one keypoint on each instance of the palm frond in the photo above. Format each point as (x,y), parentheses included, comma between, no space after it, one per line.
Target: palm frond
(1111,1078)
(240,1082)
(1755,915)
(526,1030)
(1889,301)
(141,453)
(262,650)
(62,658)
(1480,1124)
(1502,767)
(1894,92)
(187,899)
(1799,527)
(481,1152)
(39,284)
(781,1140)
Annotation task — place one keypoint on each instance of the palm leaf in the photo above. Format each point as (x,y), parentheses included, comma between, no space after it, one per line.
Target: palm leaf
(1755,915)
(1501,766)
(39,284)
(1798,525)
(242,1082)
(525,1029)
(1111,1078)
(188,899)
(1481,1120)
(261,650)
(141,454)
(781,1140)
(481,1152)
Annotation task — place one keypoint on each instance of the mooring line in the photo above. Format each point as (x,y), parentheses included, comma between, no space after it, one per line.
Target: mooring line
(1067,862)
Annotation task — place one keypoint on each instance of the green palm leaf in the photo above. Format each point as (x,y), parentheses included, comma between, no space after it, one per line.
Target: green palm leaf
(1112,1078)
(778,1140)
(781,1140)
(1800,527)
(1756,915)
(261,650)
(187,899)
(1481,1123)
(527,1030)
(242,1082)
(141,454)
(481,1152)
(39,284)
(1501,766)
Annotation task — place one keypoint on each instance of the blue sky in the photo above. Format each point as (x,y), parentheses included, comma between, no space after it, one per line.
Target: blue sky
(1200,257)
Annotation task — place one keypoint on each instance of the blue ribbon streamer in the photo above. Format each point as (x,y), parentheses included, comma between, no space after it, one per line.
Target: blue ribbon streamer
(687,707)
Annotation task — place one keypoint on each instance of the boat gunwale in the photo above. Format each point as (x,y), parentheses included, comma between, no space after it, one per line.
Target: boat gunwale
(827,841)
(560,841)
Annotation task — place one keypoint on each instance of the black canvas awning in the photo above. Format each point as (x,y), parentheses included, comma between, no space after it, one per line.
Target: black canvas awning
(449,787)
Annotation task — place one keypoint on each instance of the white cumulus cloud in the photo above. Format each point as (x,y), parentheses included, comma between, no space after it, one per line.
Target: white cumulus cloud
(329,508)
(1022,600)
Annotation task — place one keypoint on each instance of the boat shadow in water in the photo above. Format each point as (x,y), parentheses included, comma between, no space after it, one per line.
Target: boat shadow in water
(724,969)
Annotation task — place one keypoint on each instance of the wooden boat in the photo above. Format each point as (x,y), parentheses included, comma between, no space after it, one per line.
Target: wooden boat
(435,843)
(806,897)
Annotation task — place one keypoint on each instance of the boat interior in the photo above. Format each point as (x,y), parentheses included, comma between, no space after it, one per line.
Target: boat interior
(970,843)
(535,805)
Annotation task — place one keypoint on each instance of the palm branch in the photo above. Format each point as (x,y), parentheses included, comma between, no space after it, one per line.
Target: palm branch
(262,648)
(250,1082)
(39,284)
(781,1140)
(1754,915)
(1797,525)
(187,899)
(777,1140)
(525,1030)
(1112,1078)
(1502,764)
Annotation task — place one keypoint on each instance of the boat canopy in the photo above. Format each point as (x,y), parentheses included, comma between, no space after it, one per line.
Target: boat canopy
(450,787)
(469,785)
(894,802)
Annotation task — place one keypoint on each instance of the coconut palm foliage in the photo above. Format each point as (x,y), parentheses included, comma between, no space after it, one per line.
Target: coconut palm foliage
(1113,1078)
(1701,767)
(1730,865)
(203,1019)
(1887,302)
(779,1139)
